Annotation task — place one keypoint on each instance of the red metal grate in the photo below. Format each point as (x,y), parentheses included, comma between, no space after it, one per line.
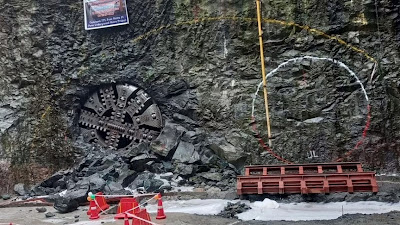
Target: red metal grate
(306,179)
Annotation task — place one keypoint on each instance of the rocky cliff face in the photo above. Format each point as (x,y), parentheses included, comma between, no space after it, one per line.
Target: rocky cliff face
(202,75)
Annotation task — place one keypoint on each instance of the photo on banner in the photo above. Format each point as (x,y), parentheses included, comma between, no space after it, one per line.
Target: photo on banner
(105,13)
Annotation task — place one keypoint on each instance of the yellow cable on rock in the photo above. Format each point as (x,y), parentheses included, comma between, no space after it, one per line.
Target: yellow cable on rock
(263,70)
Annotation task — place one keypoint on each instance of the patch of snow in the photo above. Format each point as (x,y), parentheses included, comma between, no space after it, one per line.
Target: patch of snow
(173,183)
(132,191)
(266,204)
(313,211)
(63,193)
(179,178)
(40,196)
(268,210)
(193,206)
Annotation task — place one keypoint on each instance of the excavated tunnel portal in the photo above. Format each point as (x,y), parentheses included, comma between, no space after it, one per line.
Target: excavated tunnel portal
(119,117)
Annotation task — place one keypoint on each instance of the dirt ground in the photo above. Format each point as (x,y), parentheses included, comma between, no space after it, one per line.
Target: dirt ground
(29,216)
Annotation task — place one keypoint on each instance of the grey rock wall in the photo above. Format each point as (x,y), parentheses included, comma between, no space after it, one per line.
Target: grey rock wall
(202,75)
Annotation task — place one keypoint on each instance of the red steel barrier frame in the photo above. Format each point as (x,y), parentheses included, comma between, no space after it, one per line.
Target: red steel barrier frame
(325,178)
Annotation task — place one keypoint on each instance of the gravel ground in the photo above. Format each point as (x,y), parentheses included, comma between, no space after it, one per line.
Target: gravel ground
(29,216)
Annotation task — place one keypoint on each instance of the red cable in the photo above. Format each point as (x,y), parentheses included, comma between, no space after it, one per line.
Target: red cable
(261,141)
(364,135)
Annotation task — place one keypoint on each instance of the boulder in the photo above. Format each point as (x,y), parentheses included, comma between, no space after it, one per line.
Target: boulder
(126,155)
(61,183)
(65,205)
(212,176)
(113,187)
(141,179)
(154,185)
(168,139)
(184,169)
(139,163)
(20,189)
(127,179)
(167,166)
(195,136)
(208,157)
(232,209)
(155,167)
(5,197)
(41,210)
(96,183)
(49,215)
(232,147)
(39,190)
(148,183)
(71,200)
(109,174)
(51,182)
(186,153)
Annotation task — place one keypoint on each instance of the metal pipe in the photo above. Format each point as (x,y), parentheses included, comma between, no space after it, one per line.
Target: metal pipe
(258,2)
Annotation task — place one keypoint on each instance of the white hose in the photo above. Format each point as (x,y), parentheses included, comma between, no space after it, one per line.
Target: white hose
(294,60)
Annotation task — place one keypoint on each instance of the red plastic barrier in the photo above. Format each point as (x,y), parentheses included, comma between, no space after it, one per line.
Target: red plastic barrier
(101,202)
(128,205)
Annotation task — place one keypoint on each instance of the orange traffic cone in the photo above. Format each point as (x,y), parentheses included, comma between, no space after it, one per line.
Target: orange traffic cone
(94,213)
(126,220)
(160,212)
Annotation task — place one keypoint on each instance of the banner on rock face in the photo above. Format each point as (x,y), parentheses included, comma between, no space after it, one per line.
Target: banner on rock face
(105,13)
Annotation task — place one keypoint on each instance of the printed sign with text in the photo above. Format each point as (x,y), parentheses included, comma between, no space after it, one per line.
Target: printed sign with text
(105,13)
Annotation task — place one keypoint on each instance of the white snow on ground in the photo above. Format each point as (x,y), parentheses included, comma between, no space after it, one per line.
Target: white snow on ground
(270,210)
(266,204)
(177,188)
(314,211)
(193,206)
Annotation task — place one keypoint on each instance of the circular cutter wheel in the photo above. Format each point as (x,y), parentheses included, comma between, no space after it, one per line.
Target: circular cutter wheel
(119,117)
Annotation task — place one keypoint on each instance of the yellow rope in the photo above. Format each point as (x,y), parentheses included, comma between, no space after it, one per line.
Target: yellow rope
(248,19)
